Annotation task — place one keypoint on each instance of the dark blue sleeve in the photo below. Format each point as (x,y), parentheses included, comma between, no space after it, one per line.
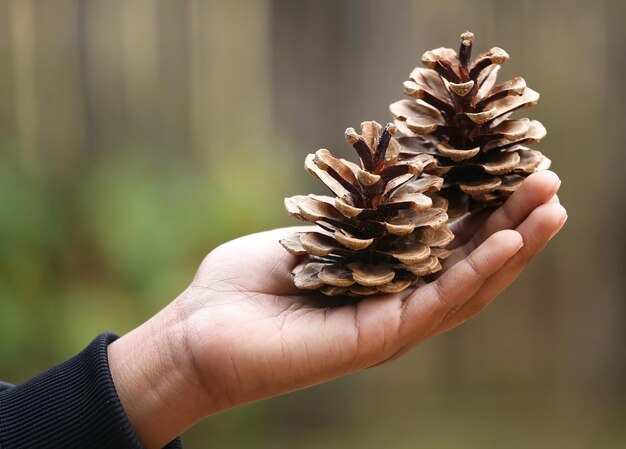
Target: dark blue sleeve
(73,405)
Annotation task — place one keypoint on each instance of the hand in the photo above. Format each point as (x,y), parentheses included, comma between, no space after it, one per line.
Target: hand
(243,332)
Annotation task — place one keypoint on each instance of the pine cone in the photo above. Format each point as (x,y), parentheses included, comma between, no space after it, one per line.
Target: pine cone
(462,117)
(385,228)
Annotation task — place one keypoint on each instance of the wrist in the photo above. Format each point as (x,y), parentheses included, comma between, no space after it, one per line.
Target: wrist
(150,370)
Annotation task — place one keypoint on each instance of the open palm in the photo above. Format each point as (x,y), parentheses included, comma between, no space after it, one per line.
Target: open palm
(252,334)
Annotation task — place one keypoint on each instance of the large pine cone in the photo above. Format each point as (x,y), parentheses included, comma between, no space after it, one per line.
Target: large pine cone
(384,229)
(462,117)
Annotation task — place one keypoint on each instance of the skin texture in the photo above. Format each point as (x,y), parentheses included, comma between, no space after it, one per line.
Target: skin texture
(242,332)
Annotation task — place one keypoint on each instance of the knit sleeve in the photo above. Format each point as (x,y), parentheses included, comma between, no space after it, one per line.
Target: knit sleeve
(73,405)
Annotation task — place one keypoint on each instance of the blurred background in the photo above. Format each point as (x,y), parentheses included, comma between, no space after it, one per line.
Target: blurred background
(136,135)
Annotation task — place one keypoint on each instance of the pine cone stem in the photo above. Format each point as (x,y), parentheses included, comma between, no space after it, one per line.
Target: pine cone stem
(383,143)
(465,50)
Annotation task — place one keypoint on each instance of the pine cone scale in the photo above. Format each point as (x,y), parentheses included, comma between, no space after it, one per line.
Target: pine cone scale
(336,275)
(412,253)
(306,276)
(501,164)
(352,242)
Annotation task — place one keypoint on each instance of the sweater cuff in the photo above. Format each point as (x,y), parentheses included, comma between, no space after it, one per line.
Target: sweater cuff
(74,404)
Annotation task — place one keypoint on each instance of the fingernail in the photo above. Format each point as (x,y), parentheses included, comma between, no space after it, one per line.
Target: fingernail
(559,227)
(557,185)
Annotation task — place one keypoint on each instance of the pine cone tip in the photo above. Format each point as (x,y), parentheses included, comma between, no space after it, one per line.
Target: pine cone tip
(460,115)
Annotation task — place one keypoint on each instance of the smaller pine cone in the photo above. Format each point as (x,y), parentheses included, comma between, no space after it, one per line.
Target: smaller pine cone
(384,229)
(462,117)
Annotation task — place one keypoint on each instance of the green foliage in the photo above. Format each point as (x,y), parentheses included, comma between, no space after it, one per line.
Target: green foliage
(105,248)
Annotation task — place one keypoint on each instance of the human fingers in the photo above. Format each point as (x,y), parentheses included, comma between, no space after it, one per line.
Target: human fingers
(466,227)
(539,188)
(428,306)
(537,230)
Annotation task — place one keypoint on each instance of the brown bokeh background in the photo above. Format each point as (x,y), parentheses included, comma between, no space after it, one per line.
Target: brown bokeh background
(136,135)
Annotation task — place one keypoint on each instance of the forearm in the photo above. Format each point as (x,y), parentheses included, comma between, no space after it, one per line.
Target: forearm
(151,372)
